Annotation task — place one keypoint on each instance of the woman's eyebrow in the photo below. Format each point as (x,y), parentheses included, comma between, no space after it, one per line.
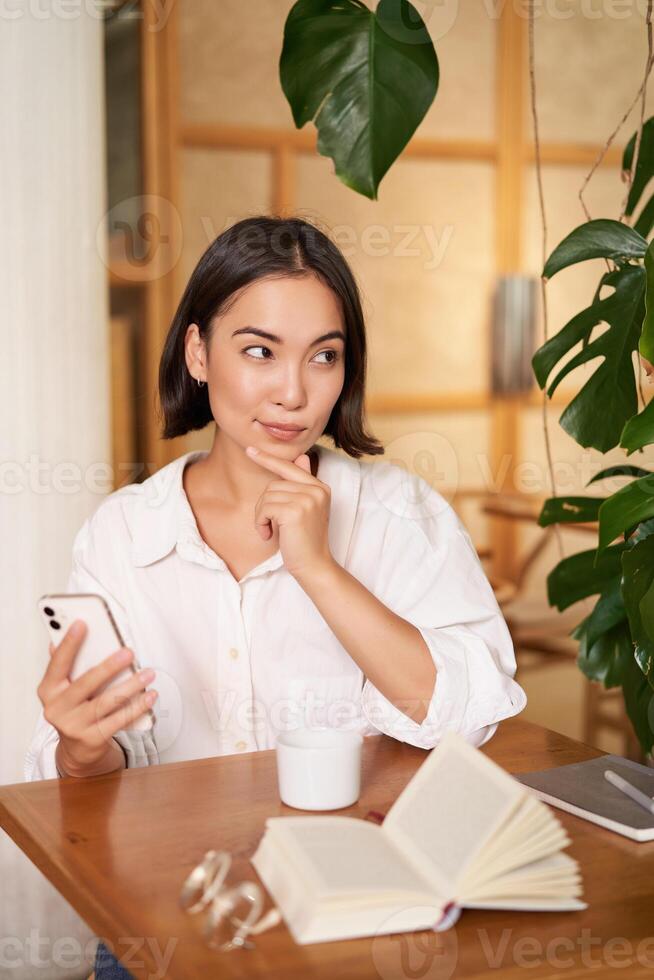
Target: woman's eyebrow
(332,335)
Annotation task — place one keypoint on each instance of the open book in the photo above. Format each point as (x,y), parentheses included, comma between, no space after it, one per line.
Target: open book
(462,832)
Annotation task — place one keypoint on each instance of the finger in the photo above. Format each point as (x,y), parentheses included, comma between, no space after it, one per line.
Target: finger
(280,513)
(286,486)
(270,506)
(63,655)
(304,462)
(280,497)
(117,695)
(86,685)
(282,467)
(126,714)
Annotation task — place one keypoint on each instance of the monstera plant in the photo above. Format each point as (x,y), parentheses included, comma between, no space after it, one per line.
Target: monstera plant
(616,640)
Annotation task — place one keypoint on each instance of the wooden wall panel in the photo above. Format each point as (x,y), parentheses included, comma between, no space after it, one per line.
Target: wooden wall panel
(450,450)
(427,312)
(123,429)
(590,62)
(229,53)
(464,36)
(219,187)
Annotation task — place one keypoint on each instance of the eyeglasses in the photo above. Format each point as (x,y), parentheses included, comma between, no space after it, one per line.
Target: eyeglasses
(205,888)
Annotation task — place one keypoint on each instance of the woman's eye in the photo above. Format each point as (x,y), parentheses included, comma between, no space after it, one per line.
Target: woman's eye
(258,347)
(334,354)
(334,357)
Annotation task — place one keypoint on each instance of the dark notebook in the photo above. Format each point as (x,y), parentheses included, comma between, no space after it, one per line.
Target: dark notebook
(582,789)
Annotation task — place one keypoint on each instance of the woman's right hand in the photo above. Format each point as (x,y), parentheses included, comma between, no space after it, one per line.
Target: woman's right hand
(87,724)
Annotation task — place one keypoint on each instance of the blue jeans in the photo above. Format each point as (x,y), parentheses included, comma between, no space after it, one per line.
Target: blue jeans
(107,966)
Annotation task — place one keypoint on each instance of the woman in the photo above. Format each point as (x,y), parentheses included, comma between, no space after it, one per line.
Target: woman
(270,582)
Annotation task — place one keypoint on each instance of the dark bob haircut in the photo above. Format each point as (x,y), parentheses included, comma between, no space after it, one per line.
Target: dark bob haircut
(256,248)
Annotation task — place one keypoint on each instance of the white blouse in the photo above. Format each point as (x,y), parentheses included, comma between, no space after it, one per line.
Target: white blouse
(238,662)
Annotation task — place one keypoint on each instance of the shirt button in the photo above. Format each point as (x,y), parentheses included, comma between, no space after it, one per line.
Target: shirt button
(241,745)
(233,653)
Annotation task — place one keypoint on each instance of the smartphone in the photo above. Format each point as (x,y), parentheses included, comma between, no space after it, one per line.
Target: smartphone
(58,612)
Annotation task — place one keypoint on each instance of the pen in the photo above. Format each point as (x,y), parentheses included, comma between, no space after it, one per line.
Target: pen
(645,801)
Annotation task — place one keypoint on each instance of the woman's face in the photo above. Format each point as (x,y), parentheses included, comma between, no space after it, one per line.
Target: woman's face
(269,360)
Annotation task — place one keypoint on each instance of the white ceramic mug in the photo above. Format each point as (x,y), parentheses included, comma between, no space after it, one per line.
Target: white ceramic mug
(319,768)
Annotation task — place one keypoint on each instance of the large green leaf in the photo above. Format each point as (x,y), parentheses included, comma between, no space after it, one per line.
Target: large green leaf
(620,469)
(638,592)
(609,611)
(567,510)
(646,343)
(610,659)
(603,658)
(601,238)
(644,164)
(578,577)
(596,416)
(624,509)
(366,78)
(639,430)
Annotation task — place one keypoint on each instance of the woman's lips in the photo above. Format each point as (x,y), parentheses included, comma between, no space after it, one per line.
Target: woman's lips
(284,434)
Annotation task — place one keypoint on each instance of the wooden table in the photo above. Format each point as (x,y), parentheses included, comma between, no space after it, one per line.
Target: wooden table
(118,847)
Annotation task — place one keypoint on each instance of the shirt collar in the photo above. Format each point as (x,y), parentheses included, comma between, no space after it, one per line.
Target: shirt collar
(161,517)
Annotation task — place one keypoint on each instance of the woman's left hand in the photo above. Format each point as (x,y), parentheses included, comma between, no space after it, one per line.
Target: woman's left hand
(297,507)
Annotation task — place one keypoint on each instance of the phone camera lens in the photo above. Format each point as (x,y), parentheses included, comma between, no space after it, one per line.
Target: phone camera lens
(48,611)
(55,625)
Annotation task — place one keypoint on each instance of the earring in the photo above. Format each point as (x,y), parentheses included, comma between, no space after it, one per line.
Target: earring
(200,383)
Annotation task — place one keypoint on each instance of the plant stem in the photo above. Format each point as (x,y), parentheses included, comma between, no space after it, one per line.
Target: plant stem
(539,178)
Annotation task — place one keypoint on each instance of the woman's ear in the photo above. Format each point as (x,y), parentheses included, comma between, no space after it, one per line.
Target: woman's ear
(195,353)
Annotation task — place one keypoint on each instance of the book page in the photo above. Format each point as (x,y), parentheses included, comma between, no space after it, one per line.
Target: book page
(453,805)
(555,876)
(531,832)
(343,855)
(526,821)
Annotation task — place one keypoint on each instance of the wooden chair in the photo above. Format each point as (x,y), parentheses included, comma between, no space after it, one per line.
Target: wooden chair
(534,624)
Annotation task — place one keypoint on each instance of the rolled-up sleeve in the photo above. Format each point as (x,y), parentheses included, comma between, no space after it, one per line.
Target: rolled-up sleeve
(430,574)
(87,577)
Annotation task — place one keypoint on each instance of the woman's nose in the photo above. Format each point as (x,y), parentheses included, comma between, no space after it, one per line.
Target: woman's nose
(290,393)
